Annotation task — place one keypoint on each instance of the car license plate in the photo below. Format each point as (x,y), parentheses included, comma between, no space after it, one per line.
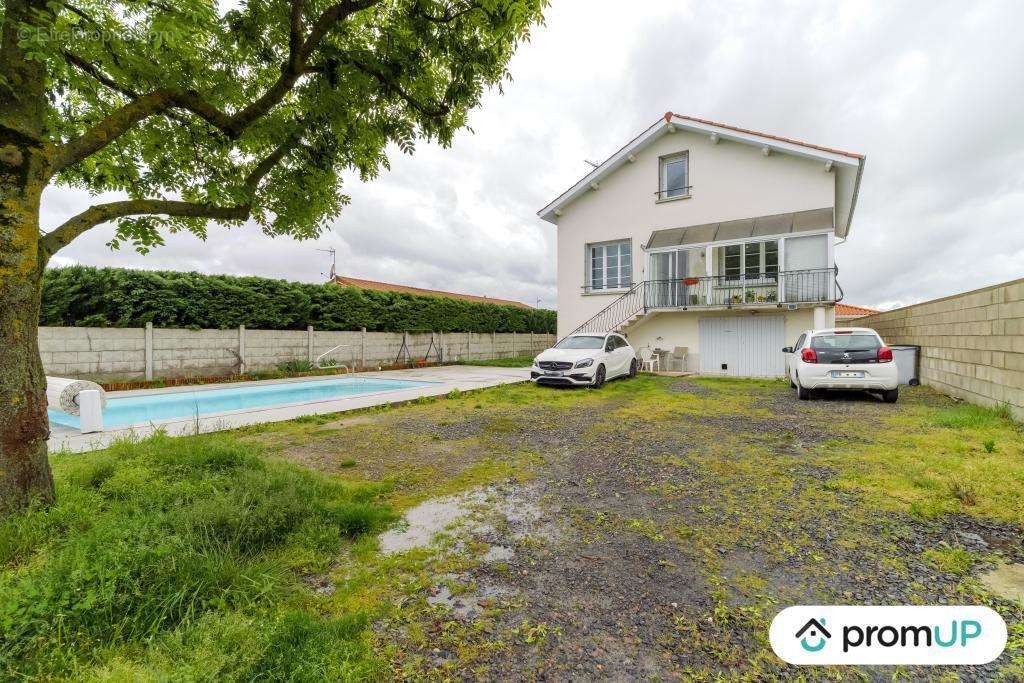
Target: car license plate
(855,375)
(552,373)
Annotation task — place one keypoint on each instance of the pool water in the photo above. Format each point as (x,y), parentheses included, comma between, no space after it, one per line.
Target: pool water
(133,410)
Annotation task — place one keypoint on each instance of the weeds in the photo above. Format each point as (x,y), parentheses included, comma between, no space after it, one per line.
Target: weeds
(295,365)
(150,540)
(963,491)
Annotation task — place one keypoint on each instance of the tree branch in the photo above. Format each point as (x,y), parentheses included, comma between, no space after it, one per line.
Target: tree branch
(64,233)
(448,15)
(431,110)
(161,100)
(101,213)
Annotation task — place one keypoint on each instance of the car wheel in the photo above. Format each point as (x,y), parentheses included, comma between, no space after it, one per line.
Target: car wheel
(598,378)
(891,395)
(632,368)
(803,394)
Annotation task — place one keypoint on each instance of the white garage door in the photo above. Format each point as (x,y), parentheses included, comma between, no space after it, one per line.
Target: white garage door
(744,347)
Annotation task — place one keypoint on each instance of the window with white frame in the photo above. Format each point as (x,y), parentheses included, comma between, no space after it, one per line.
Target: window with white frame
(674,176)
(750,259)
(609,265)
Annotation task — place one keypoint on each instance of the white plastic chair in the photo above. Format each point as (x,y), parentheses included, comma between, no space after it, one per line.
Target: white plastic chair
(649,361)
(677,360)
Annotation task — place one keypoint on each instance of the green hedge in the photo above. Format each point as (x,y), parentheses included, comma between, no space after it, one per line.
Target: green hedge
(117,297)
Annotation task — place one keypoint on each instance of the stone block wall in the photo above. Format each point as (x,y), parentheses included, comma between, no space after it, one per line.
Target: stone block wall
(972,344)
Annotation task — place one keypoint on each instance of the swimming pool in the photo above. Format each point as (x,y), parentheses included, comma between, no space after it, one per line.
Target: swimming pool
(143,409)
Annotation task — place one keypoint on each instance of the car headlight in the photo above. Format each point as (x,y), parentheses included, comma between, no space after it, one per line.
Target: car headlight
(536,363)
(585,363)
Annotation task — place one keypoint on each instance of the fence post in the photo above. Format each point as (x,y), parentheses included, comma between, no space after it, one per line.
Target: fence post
(241,349)
(405,347)
(514,344)
(310,335)
(533,344)
(149,351)
(363,347)
(494,351)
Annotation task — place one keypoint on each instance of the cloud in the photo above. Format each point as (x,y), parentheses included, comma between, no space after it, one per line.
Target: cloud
(929,91)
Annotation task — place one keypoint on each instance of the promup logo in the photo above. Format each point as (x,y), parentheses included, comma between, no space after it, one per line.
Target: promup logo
(816,633)
(966,634)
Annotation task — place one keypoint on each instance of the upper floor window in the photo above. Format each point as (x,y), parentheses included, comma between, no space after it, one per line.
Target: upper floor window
(674,176)
(610,265)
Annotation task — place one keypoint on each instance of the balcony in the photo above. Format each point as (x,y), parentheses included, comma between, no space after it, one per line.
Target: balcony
(744,291)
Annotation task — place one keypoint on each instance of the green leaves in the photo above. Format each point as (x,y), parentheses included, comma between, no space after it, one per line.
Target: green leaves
(80,295)
(342,85)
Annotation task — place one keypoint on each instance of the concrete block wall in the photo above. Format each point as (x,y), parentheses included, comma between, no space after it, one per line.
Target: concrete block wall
(972,344)
(138,353)
(80,351)
(178,353)
(266,349)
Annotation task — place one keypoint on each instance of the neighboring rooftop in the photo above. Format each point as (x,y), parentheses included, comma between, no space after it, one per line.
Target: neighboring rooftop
(406,289)
(847,311)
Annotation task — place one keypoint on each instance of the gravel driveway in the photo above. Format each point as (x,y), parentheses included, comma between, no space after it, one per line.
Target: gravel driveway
(652,531)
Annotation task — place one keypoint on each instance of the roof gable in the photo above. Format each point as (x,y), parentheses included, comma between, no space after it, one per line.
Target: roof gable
(848,166)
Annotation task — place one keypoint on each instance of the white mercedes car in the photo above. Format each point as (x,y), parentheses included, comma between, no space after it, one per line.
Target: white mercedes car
(842,358)
(585,360)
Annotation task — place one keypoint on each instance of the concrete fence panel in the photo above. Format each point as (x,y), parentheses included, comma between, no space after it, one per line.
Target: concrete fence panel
(138,353)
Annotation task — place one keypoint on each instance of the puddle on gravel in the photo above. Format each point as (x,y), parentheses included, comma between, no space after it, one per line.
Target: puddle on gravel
(478,512)
(468,605)
(426,520)
(1006,581)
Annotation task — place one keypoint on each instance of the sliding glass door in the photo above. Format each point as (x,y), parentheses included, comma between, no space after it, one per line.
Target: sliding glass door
(675,279)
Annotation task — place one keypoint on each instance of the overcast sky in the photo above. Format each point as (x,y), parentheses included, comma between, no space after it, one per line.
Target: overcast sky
(931,92)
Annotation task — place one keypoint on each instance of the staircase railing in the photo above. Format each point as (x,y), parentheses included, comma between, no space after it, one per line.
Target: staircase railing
(617,312)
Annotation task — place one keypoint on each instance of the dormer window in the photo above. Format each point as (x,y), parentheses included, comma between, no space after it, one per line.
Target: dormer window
(674,177)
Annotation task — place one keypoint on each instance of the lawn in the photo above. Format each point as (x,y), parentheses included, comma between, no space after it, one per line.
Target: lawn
(647,530)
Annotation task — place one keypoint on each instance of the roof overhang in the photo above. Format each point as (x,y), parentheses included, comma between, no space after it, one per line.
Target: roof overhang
(847,166)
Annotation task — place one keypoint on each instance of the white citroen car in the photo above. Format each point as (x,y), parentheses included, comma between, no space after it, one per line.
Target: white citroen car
(842,358)
(585,360)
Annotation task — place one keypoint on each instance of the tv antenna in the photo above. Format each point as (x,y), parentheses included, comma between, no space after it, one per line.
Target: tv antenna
(592,163)
(334,261)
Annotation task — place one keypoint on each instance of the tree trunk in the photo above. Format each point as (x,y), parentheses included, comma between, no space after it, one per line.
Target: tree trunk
(24,428)
(24,167)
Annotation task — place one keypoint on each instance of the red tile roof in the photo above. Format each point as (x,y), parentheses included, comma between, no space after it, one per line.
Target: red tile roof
(669,115)
(849,311)
(406,289)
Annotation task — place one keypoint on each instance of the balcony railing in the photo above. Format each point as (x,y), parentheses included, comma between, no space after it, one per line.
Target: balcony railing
(750,290)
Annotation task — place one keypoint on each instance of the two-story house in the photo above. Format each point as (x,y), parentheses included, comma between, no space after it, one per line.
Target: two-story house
(706,237)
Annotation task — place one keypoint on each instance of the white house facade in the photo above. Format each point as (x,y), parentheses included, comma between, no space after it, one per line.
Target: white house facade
(707,241)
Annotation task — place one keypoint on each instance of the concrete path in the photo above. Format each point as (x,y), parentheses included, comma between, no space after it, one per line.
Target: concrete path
(446,378)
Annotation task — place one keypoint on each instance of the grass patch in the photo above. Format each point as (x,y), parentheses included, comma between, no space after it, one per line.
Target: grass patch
(951,560)
(169,555)
(932,461)
(969,416)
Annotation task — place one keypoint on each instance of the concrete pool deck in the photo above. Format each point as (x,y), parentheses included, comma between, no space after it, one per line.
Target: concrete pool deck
(445,379)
